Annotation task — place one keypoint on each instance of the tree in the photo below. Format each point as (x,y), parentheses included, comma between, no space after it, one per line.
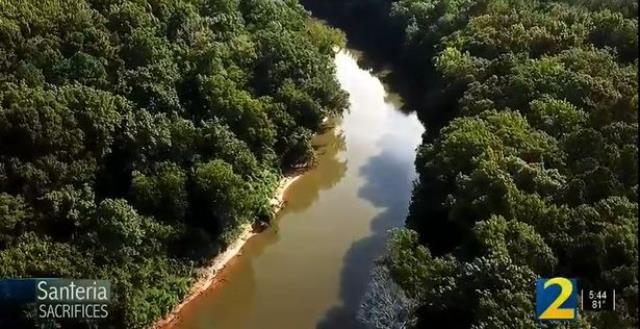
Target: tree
(14,216)
(162,194)
(222,197)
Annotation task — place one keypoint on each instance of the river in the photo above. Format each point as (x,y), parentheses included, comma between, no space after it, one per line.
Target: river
(310,269)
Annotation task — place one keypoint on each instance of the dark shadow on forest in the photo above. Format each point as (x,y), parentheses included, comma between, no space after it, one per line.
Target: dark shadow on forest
(370,31)
(389,181)
(380,39)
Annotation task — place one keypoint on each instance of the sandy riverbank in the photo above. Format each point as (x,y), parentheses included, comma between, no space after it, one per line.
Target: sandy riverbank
(207,277)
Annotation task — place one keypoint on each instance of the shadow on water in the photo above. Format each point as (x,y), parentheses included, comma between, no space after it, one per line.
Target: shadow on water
(425,93)
(322,177)
(388,185)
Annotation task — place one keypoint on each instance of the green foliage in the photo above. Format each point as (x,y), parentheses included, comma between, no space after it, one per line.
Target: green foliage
(517,240)
(536,174)
(127,127)
(162,194)
(556,117)
(224,194)
(34,256)
(413,266)
(14,213)
(120,229)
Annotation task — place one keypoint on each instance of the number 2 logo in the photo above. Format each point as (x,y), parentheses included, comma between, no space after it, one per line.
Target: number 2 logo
(556,299)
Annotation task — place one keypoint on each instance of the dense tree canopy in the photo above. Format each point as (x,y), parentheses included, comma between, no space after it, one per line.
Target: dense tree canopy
(138,136)
(535,175)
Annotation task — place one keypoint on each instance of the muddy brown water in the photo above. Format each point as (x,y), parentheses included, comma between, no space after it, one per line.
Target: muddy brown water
(310,269)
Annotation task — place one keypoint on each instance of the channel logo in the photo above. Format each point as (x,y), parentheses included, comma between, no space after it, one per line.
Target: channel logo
(556,299)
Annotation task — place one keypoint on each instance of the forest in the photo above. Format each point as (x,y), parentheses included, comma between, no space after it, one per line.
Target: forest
(137,137)
(528,167)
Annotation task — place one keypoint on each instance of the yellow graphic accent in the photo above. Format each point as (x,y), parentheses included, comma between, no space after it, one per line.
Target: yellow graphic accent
(554,311)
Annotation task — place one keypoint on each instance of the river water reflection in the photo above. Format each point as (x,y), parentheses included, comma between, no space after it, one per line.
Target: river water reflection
(310,269)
